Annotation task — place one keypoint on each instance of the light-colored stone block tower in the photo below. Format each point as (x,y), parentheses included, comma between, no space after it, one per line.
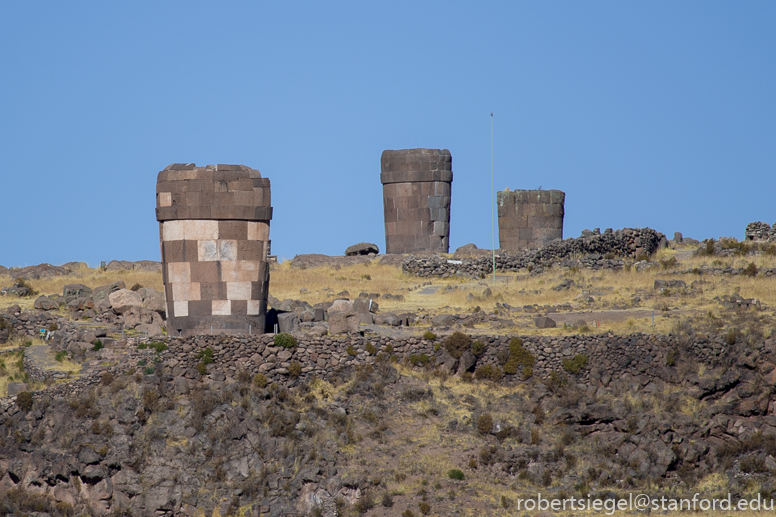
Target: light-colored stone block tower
(214,230)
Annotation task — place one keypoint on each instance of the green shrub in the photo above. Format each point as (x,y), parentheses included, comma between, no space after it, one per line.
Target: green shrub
(158,346)
(294,369)
(731,336)
(456,474)
(370,349)
(202,368)
(142,362)
(416,359)
(487,371)
(517,350)
(285,340)
(457,343)
(149,370)
(351,351)
(389,349)
(429,336)
(260,380)
(24,400)
(478,348)
(527,372)
(60,356)
(205,355)
(485,423)
(671,358)
(576,364)
(97,345)
(407,513)
(424,508)
(142,346)
(750,270)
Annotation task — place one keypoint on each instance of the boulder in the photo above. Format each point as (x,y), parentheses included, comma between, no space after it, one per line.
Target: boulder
(44,303)
(76,290)
(288,322)
(543,322)
(123,300)
(14,388)
(442,320)
(362,248)
(466,362)
(665,284)
(341,306)
(154,300)
(340,322)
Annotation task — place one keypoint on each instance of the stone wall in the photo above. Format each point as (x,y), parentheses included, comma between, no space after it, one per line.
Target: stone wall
(214,230)
(529,218)
(628,242)
(416,199)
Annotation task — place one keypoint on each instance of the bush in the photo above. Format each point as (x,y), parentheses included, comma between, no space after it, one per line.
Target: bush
(60,356)
(669,263)
(206,356)
(260,380)
(285,340)
(429,336)
(576,364)
(416,359)
(523,356)
(487,371)
(136,287)
(53,327)
(370,349)
(294,369)
(202,368)
(424,508)
(97,345)
(456,474)
(732,336)
(351,351)
(158,346)
(389,349)
(407,513)
(478,348)
(149,370)
(457,343)
(750,270)
(142,346)
(107,378)
(24,400)
(671,357)
(387,499)
(485,423)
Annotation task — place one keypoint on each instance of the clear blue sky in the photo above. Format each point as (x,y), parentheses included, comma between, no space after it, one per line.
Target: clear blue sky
(659,114)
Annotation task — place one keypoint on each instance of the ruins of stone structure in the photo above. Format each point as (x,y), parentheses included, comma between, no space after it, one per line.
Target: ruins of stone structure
(214,230)
(416,199)
(529,218)
(760,231)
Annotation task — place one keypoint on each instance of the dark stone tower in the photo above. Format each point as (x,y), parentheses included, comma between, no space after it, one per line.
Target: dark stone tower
(416,199)
(529,218)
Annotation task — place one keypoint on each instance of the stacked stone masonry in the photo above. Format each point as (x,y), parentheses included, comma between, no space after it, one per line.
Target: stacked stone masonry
(529,218)
(214,230)
(416,199)
(628,242)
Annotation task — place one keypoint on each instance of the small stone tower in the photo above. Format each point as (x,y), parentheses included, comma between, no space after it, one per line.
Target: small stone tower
(529,218)
(214,230)
(416,199)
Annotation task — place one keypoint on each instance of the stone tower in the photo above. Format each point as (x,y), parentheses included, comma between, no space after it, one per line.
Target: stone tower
(416,199)
(214,230)
(529,218)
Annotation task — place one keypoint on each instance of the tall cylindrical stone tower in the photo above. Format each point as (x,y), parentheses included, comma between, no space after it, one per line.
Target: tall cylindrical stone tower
(214,230)
(416,199)
(529,218)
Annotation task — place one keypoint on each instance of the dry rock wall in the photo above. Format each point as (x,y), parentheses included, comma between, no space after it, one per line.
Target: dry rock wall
(628,242)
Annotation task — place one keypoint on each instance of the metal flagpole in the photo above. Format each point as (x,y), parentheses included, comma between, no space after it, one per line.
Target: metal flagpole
(492,201)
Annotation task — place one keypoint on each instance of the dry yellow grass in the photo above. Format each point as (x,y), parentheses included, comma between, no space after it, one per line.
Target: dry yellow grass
(90,277)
